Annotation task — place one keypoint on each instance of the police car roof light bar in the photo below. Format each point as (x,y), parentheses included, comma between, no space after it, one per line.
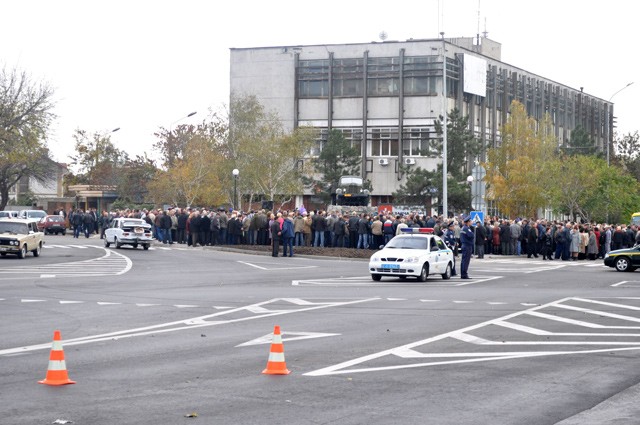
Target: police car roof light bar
(412,230)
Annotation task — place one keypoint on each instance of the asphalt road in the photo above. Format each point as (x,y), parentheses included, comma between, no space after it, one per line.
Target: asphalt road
(153,336)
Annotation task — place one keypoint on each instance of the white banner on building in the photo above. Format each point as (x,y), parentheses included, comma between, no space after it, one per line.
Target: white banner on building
(475,75)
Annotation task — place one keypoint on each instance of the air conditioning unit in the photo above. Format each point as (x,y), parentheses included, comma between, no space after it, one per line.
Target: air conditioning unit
(409,161)
(383,161)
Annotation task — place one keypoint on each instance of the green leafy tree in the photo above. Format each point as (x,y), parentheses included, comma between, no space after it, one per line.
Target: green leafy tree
(627,153)
(581,143)
(133,179)
(25,117)
(462,147)
(422,185)
(336,159)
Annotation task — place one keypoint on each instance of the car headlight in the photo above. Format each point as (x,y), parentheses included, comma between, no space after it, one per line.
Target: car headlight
(411,259)
(606,255)
(374,259)
(14,243)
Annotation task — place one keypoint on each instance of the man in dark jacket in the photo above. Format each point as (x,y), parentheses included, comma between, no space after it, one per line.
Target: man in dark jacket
(353,230)
(194,228)
(276,232)
(182,227)
(165,224)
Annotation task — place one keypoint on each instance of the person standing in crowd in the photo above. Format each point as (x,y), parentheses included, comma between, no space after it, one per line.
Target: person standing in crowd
(575,242)
(532,241)
(276,232)
(287,235)
(306,230)
(224,221)
(449,237)
(363,232)
(516,231)
(194,228)
(387,229)
(592,246)
(547,242)
(467,242)
(104,223)
(339,231)
(88,222)
(481,237)
(181,227)
(353,230)
(376,231)
(298,230)
(319,225)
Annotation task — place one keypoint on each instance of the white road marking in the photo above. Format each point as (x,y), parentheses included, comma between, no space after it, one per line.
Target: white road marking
(288,267)
(286,336)
(632,282)
(71,302)
(196,322)
(107,303)
(110,264)
(33,301)
(407,351)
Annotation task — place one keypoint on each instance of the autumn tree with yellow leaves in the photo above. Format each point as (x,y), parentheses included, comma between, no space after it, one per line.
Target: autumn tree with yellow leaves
(517,170)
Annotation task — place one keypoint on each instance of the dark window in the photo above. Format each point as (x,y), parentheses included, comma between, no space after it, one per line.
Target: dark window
(348,77)
(313,78)
(383,76)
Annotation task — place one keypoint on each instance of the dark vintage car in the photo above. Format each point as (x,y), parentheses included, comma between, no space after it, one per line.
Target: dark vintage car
(624,260)
(52,224)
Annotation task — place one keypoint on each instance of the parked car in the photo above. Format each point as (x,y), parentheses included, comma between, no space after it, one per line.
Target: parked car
(19,236)
(128,231)
(52,224)
(416,252)
(32,215)
(8,214)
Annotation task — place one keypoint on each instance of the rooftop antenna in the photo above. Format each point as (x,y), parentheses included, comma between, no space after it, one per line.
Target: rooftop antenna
(383,35)
(478,31)
(485,33)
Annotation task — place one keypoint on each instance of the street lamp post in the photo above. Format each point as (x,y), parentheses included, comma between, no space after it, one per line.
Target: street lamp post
(610,141)
(445,206)
(235,173)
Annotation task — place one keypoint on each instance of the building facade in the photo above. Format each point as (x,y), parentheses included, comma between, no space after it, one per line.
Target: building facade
(385,97)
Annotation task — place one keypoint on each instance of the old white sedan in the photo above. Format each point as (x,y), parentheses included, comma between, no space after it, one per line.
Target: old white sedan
(416,252)
(128,231)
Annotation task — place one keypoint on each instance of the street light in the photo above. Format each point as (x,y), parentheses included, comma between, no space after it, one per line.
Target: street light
(610,141)
(235,173)
(183,118)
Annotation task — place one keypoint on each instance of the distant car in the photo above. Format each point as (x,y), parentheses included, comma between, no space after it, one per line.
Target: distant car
(32,215)
(52,224)
(128,231)
(623,260)
(8,214)
(416,252)
(19,236)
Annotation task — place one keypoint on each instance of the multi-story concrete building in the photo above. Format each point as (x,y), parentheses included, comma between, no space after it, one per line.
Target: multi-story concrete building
(386,96)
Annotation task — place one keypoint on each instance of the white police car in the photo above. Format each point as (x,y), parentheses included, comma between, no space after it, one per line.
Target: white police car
(416,252)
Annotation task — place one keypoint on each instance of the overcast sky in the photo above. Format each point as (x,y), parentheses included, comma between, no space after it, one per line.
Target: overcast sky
(140,65)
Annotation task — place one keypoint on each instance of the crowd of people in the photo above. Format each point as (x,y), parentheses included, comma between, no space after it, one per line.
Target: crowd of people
(548,239)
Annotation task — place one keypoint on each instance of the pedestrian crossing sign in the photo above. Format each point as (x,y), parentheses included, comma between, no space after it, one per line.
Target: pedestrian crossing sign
(477,216)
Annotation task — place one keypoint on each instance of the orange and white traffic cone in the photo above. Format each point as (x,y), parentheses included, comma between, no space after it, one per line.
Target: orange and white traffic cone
(276,364)
(57,371)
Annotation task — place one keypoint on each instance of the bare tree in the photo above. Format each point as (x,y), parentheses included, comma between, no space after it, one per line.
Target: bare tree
(25,116)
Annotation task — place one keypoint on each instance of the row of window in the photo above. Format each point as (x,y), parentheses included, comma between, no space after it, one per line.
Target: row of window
(420,75)
(384,141)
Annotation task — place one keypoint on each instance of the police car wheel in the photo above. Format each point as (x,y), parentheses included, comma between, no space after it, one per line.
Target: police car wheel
(623,264)
(376,277)
(424,273)
(447,274)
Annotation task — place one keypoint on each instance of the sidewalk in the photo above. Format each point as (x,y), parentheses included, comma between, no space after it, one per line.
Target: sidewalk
(621,409)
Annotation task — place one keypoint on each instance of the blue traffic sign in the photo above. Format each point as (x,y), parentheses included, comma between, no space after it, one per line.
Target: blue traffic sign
(477,216)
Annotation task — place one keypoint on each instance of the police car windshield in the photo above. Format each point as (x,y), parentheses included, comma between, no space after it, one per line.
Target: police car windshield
(408,242)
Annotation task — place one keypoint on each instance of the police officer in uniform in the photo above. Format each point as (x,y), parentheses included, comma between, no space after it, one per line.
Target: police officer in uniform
(467,242)
(449,237)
